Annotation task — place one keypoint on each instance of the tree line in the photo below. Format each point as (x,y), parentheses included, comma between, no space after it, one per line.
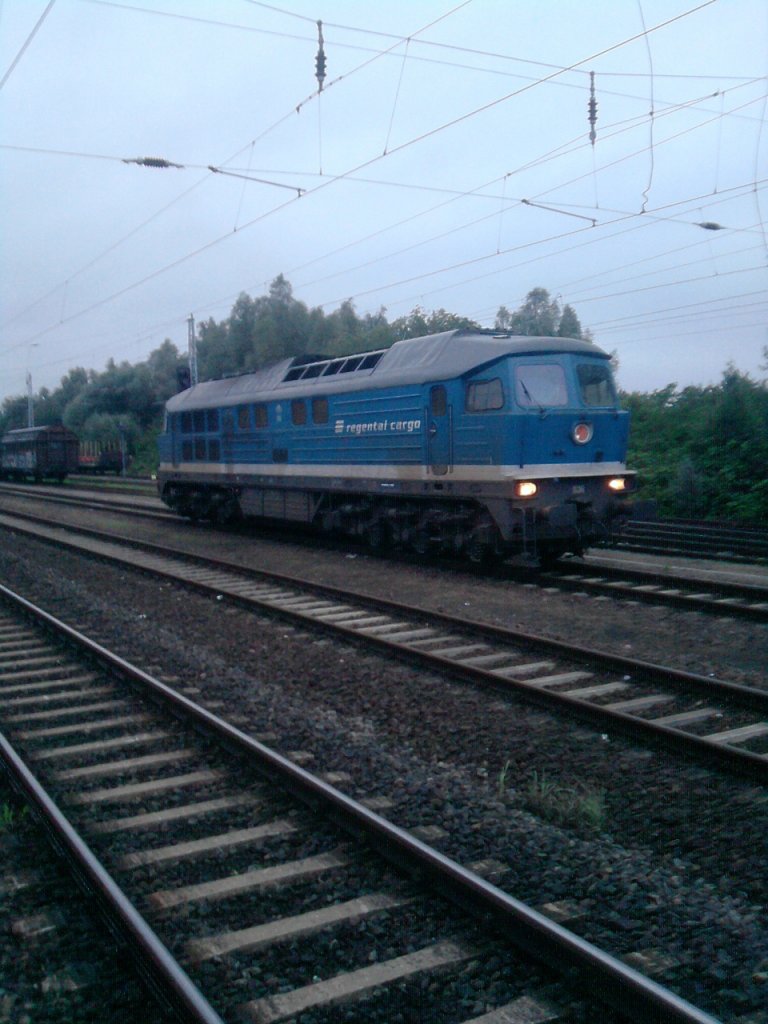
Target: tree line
(702,452)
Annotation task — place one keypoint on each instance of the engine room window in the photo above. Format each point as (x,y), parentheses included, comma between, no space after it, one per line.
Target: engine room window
(260,415)
(186,423)
(595,384)
(319,410)
(314,370)
(351,364)
(484,395)
(298,412)
(198,419)
(539,385)
(214,451)
(200,448)
(243,417)
(212,418)
(370,361)
(186,451)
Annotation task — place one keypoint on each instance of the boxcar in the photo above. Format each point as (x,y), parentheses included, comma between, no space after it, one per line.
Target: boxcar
(99,458)
(38,452)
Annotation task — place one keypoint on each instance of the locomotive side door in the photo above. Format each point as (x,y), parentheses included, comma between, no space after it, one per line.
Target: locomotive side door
(439,422)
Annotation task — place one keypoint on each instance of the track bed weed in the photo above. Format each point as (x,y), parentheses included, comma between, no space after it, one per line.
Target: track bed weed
(574,806)
(11,816)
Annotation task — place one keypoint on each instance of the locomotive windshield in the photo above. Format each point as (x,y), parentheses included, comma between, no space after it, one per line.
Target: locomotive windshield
(596,384)
(540,384)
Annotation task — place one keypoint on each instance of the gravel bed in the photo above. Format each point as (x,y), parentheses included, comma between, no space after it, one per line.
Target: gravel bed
(696,642)
(42,979)
(676,859)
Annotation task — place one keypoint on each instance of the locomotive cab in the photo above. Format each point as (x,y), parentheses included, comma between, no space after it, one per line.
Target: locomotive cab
(565,451)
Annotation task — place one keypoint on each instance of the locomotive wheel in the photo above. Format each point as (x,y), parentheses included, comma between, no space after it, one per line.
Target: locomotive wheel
(478,551)
(226,513)
(420,542)
(550,560)
(376,536)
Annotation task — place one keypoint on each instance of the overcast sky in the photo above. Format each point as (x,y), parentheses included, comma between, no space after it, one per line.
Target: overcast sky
(446,163)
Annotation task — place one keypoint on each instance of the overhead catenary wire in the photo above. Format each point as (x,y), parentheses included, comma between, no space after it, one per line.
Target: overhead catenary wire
(641,225)
(27,42)
(270,128)
(443,234)
(495,55)
(647,188)
(413,141)
(391,51)
(758,143)
(406,184)
(651,319)
(182,195)
(489,216)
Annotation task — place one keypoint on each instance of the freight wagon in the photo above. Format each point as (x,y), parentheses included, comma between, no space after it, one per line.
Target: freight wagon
(38,452)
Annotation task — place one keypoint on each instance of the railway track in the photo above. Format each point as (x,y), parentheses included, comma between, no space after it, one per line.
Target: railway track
(247,888)
(719,722)
(693,593)
(138,504)
(695,539)
(737,600)
(57,961)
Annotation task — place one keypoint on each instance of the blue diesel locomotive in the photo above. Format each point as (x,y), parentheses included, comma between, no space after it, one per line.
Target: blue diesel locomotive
(485,444)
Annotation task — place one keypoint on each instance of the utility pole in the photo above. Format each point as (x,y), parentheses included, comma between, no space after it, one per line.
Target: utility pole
(192,344)
(30,393)
(121,432)
(30,402)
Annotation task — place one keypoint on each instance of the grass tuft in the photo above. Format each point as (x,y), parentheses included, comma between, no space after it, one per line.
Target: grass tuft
(10,817)
(501,784)
(576,806)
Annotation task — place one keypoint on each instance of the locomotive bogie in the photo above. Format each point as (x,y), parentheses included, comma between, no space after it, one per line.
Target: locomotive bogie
(462,442)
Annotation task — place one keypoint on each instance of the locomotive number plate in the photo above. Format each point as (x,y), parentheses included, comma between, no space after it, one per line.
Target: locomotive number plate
(577,489)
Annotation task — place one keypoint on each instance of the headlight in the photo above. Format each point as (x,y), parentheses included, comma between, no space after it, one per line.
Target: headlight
(582,433)
(618,483)
(525,488)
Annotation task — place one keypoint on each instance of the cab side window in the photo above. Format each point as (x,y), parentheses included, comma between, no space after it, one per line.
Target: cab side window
(595,384)
(485,395)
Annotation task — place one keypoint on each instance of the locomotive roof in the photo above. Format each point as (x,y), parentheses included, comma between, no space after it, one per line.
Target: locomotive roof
(433,358)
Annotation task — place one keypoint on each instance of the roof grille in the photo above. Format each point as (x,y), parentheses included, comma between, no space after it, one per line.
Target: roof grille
(329,367)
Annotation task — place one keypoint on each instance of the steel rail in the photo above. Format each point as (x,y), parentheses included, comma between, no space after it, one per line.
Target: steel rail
(686,600)
(622,987)
(96,502)
(695,539)
(153,960)
(744,762)
(746,695)
(581,576)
